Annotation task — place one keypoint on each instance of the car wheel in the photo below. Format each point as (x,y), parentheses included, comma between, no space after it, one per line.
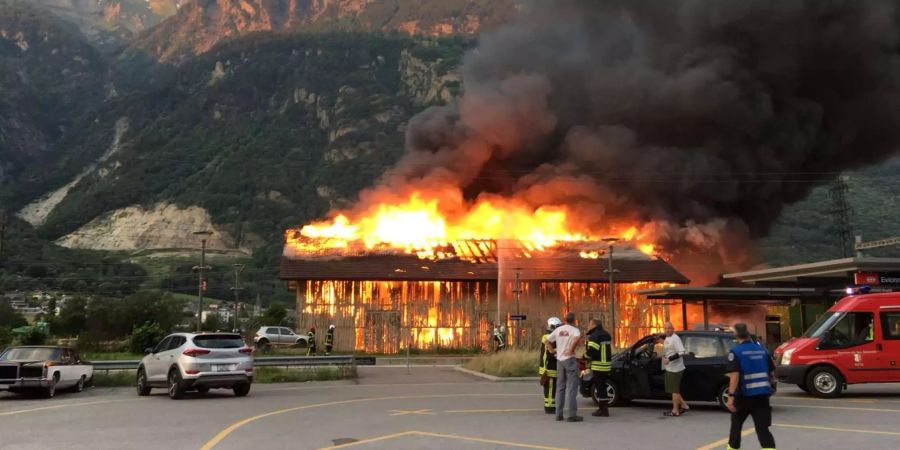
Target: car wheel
(241,390)
(176,389)
(300,343)
(80,385)
(262,343)
(50,391)
(143,387)
(203,389)
(613,395)
(722,397)
(825,382)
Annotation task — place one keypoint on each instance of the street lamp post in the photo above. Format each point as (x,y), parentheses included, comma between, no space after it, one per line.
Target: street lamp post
(612,289)
(204,236)
(237,270)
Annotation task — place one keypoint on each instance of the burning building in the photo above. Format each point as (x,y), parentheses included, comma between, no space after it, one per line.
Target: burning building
(380,300)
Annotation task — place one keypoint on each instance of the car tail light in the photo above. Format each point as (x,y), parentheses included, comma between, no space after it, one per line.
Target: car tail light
(247,350)
(192,371)
(195,352)
(250,370)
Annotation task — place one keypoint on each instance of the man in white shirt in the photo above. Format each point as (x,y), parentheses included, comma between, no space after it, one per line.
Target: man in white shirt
(566,338)
(673,364)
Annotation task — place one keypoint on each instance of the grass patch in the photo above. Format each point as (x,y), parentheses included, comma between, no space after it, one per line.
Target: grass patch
(322,373)
(115,378)
(110,356)
(127,378)
(508,363)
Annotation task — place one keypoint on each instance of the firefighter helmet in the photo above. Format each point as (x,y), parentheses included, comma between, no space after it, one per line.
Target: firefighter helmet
(553,322)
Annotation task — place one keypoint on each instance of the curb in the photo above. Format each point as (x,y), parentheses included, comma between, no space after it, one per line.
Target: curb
(495,378)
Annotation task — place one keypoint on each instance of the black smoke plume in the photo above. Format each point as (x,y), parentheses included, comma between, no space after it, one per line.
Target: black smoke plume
(700,119)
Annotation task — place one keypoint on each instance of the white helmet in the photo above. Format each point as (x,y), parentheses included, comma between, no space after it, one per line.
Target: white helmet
(553,322)
(502,328)
(330,327)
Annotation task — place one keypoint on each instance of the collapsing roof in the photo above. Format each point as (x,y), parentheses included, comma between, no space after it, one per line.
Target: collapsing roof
(563,263)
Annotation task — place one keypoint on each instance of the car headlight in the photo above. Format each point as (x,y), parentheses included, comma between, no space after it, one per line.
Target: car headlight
(786,357)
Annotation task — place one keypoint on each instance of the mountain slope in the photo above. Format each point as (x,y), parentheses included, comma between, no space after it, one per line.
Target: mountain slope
(51,79)
(261,133)
(111,23)
(201,24)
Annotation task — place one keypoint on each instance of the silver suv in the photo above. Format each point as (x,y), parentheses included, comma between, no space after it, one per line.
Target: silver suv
(197,361)
(279,336)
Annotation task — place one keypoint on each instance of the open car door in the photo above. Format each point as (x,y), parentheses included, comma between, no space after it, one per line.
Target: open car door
(642,368)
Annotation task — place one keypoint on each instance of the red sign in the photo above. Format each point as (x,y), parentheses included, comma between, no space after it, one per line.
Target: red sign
(869,278)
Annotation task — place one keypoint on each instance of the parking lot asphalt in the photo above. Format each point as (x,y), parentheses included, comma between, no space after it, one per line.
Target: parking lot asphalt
(433,407)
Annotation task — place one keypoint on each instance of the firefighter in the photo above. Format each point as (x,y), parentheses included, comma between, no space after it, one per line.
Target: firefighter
(329,339)
(311,341)
(599,353)
(547,368)
(498,337)
(749,371)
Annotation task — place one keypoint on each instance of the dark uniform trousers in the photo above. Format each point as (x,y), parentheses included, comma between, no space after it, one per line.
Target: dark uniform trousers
(757,407)
(599,380)
(550,393)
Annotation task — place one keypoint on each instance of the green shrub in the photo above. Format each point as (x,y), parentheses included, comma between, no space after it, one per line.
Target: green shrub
(144,336)
(283,375)
(34,336)
(118,378)
(508,363)
(6,337)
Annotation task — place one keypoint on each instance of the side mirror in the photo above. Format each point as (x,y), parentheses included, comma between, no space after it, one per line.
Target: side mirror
(148,351)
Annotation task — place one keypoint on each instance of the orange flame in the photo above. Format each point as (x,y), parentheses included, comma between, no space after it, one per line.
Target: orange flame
(419,226)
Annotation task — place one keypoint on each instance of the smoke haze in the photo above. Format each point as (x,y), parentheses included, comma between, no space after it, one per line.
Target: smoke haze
(699,119)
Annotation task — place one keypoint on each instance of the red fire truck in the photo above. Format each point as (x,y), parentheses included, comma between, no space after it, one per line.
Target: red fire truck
(856,341)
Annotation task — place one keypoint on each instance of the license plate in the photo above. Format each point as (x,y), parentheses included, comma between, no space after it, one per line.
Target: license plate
(224,367)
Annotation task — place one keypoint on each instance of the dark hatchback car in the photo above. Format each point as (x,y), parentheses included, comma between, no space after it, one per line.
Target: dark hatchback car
(637,372)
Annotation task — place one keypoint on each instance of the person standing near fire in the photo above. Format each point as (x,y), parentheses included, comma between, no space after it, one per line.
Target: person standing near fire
(566,339)
(599,355)
(749,371)
(499,338)
(311,341)
(329,339)
(673,364)
(547,367)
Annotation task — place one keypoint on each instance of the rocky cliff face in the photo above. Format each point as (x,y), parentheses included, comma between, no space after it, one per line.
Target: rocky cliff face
(200,25)
(112,23)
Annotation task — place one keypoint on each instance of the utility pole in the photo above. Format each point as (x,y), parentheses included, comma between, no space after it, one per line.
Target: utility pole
(201,283)
(2,234)
(517,291)
(841,213)
(237,270)
(612,288)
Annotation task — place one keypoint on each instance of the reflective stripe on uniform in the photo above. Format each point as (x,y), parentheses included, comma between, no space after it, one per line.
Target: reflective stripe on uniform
(550,373)
(595,345)
(756,376)
(758,384)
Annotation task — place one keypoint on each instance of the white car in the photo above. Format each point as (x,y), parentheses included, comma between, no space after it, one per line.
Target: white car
(197,362)
(279,336)
(43,369)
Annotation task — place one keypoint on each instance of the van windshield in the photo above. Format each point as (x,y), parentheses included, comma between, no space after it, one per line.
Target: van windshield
(823,324)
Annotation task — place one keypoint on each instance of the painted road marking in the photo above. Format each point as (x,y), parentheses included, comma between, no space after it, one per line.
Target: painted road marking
(67,405)
(403,412)
(721,442)
(467,411)
(749,431)
(231,428)
(841,430)
(444,436)
(837,407)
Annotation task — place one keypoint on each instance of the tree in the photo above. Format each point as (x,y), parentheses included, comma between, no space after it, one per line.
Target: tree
(72,318)
(275,314)
(10,318)
(214,322)
(145,336)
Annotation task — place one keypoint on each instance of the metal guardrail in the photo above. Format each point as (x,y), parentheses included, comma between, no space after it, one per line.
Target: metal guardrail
(263,361)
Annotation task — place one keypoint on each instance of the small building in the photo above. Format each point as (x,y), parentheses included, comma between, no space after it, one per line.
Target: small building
(382,301)
(779,302)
